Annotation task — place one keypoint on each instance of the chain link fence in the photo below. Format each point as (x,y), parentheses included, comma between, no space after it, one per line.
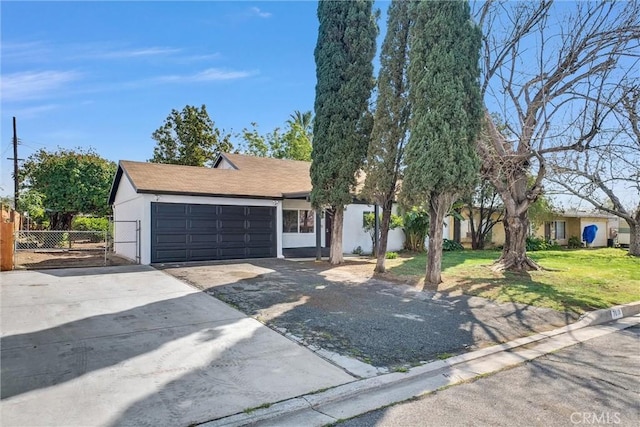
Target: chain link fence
(61,240)
(41,249)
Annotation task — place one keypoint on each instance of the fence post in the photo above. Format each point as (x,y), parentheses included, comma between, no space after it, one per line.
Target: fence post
(6,246)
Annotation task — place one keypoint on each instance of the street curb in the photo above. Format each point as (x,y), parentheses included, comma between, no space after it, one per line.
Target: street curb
(310,409)
(598,317)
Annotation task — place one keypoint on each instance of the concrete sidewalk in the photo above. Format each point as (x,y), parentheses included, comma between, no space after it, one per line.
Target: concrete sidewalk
(359,397)
(134,346)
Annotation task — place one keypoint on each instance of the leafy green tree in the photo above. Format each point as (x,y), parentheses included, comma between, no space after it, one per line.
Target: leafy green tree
(369,226)
(189,137)
(293,144)
(446,114)
(256,144)
(390,122)
(32,202)
(70,182)
(342,125)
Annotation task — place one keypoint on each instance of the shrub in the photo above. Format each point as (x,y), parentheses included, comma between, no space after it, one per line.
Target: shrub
(536,244)
(416,229)
(451,245)
(539,244)
(574,242)
(391,255)
(87,223)
(357,251)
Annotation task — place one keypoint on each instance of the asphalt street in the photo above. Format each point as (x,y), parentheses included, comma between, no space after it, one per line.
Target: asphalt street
(593,383)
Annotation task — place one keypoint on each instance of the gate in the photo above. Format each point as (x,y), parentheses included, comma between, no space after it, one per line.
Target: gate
(125,239)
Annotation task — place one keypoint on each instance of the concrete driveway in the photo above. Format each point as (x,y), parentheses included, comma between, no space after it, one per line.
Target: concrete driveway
(133,346)
(345,310)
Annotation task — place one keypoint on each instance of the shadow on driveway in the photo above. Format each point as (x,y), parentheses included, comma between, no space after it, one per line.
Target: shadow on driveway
(378,322)
(138,347)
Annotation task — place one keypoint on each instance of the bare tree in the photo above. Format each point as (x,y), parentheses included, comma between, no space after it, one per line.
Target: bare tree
(485,211)
(608,174)
(551,71)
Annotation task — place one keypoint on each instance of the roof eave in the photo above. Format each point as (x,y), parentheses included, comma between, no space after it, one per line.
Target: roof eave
(200,194)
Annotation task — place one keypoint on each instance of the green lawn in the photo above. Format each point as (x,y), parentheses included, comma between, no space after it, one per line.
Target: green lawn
(572,280)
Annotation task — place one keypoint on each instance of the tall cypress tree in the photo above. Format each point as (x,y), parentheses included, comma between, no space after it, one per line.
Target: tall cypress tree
(342,124)
(391,121)
(446,113)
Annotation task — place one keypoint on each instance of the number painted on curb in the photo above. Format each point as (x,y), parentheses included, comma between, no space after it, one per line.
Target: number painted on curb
(616,313)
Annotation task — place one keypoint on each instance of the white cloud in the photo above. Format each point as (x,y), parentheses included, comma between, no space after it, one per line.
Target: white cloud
(35,111)
(133,53)
(32,51)
(200,58)
(208,75)
(34,84)
(256,11)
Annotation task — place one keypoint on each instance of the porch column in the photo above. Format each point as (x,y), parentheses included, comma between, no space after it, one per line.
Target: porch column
(318,235)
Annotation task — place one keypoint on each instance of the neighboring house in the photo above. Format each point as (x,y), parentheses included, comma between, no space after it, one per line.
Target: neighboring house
(624,233)
(564,225)
(243,207)
(460,230)
(559,228)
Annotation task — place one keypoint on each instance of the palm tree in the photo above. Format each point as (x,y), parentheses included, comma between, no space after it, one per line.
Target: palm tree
(304,120)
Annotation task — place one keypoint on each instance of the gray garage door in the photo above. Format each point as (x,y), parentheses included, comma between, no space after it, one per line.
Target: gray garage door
(193,232)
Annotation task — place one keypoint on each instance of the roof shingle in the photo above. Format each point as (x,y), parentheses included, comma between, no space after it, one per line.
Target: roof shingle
(255,177)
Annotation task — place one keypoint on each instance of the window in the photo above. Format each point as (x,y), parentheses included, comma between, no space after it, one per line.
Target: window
(289,221)
(306,221)
(555,230)
(297,221)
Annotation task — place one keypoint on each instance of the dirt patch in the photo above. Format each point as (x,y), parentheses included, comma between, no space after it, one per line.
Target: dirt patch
(66,259)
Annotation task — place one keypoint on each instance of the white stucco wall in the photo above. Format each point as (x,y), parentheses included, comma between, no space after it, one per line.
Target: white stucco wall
(127,206)
(353,235)
(300,240)
(131,206)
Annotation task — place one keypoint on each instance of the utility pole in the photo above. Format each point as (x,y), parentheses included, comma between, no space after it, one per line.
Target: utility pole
(16,190)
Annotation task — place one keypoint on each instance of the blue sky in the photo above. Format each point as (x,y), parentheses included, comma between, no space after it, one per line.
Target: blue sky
(106,74)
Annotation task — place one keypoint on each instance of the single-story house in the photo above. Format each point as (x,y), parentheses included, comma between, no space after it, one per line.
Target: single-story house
(459,230)
(559,227)
(571,223)
(242,207)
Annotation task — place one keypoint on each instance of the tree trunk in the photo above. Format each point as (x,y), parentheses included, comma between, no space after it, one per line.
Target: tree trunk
(335,252)
(384,237)
(439,205)
(634,238)
(514,255)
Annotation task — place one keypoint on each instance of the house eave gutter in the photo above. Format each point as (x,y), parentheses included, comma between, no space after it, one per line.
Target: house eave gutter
(198,194)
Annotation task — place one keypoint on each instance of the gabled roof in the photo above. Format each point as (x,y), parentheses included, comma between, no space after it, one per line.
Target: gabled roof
(254,177)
